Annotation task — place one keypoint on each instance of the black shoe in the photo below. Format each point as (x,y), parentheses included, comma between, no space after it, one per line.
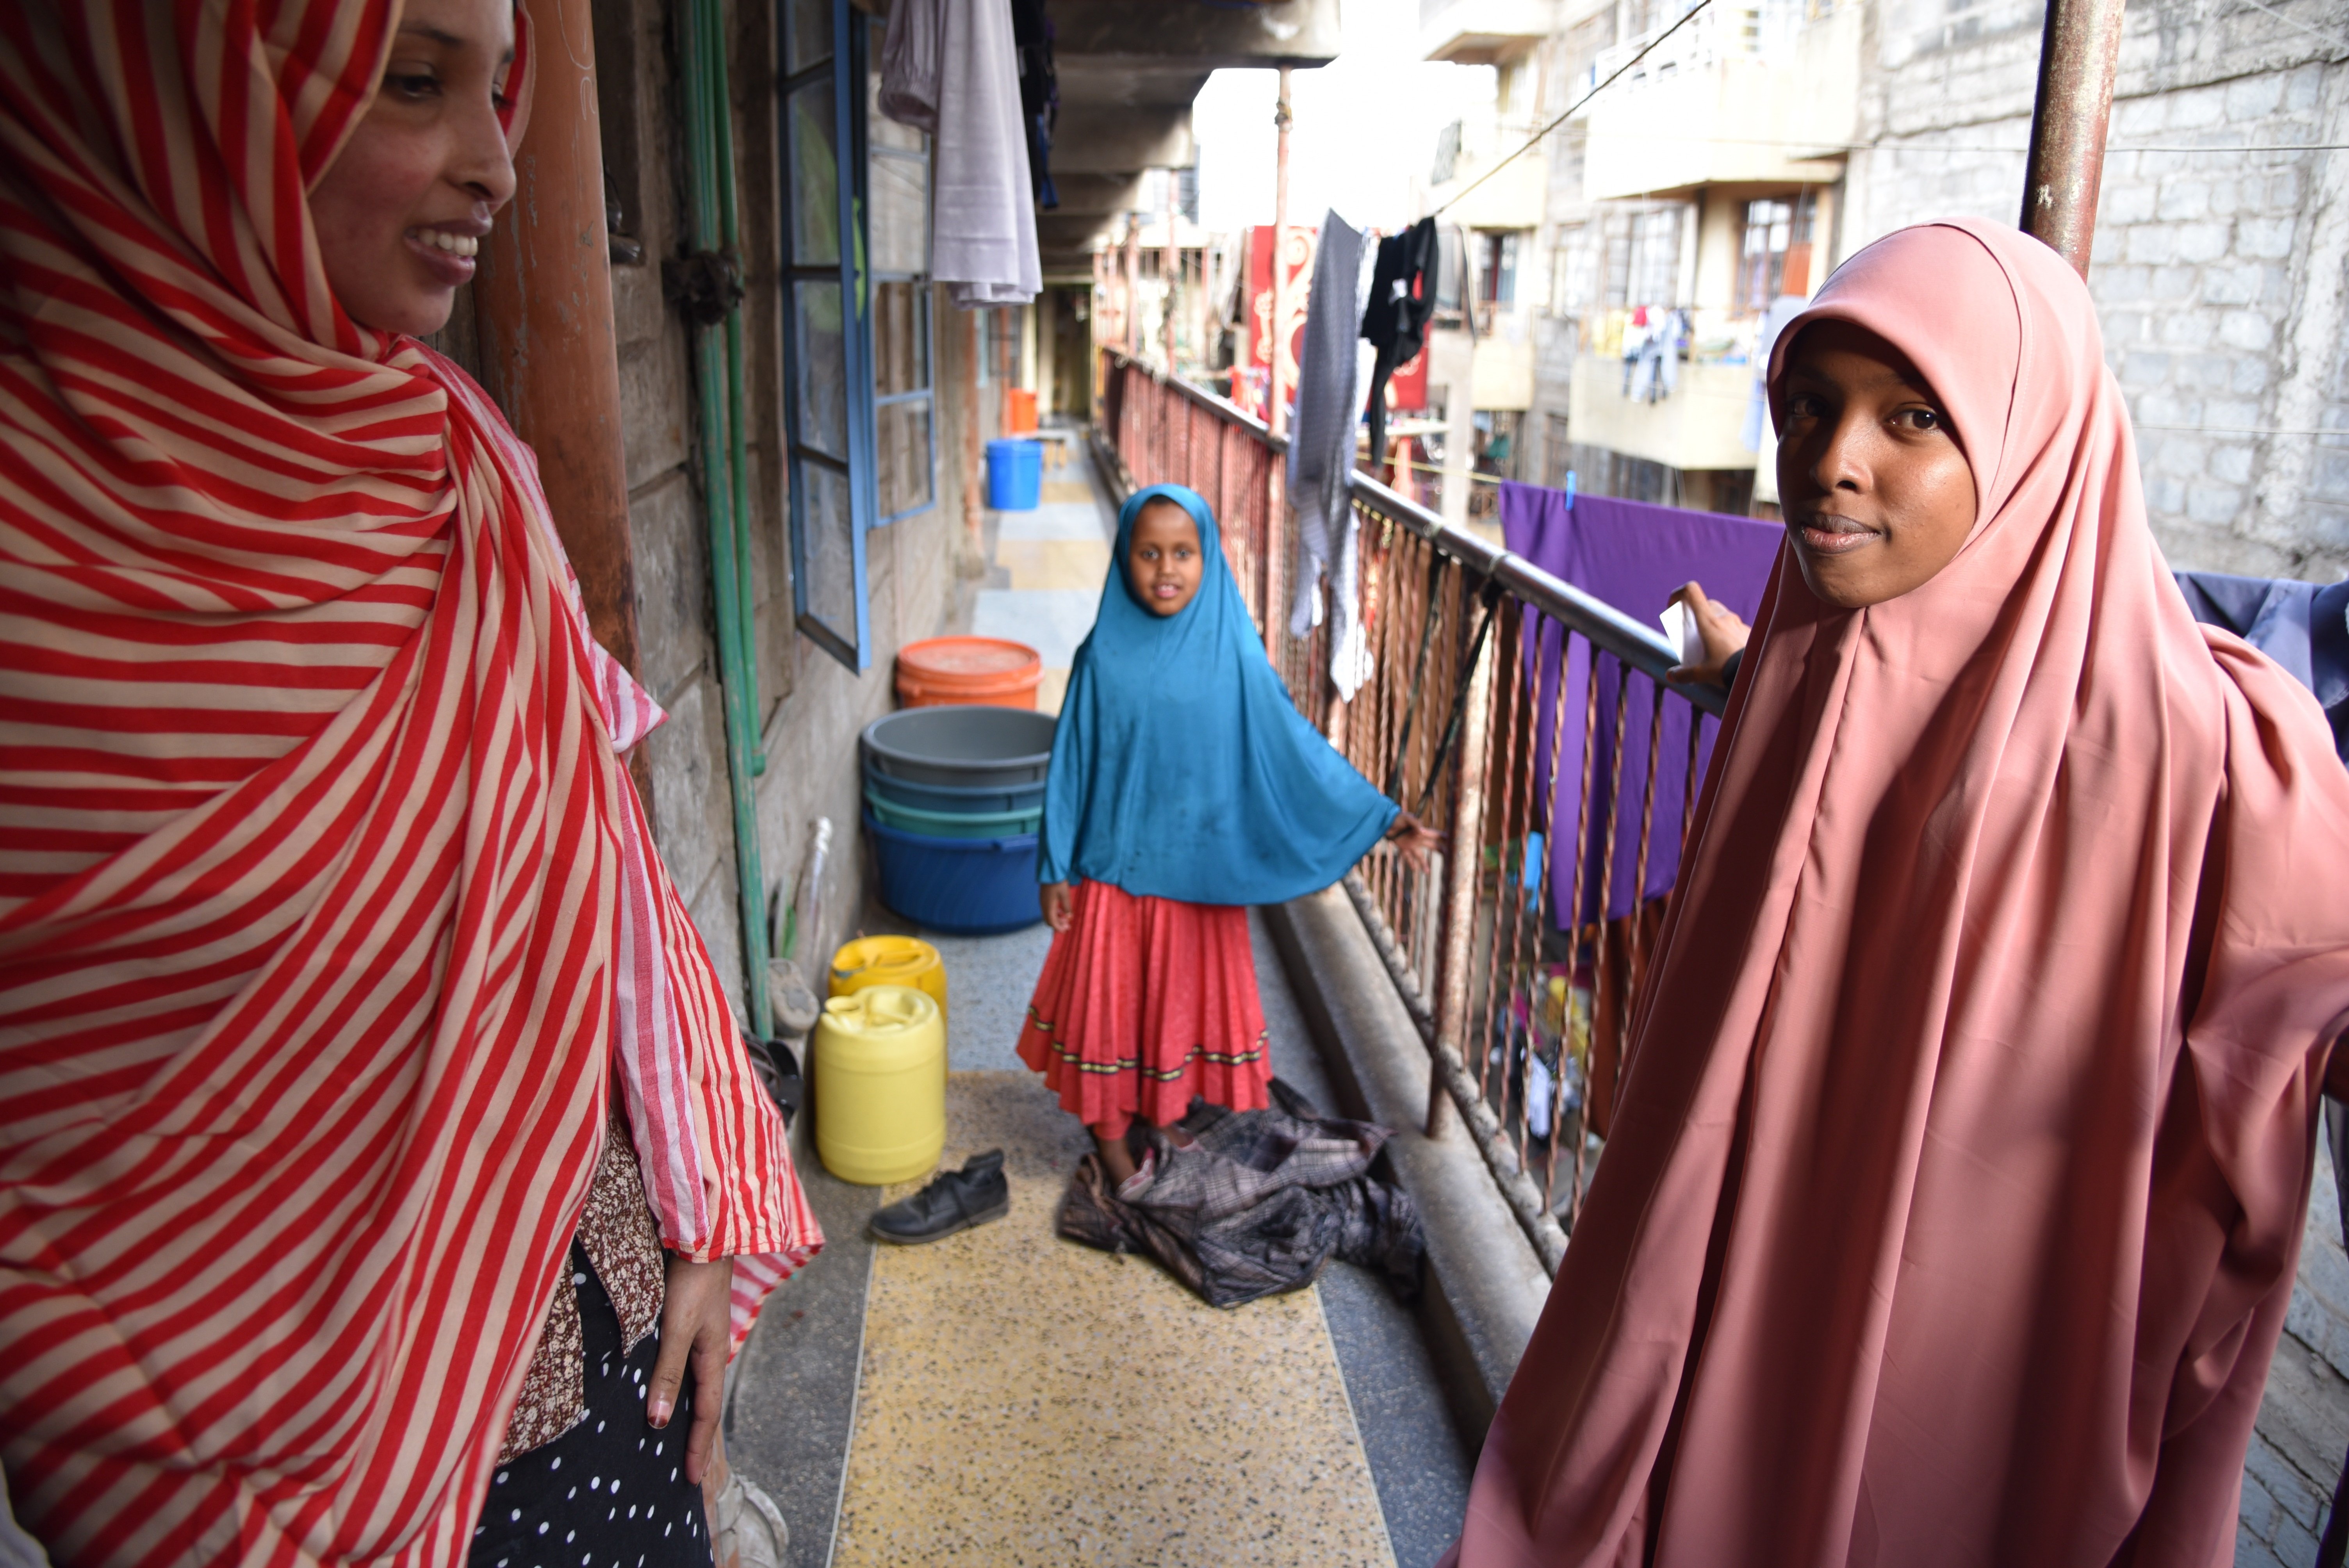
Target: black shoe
(954,1200)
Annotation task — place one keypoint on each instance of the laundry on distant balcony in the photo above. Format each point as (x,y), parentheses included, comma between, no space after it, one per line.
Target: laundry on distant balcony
(1652,345)
(953,70)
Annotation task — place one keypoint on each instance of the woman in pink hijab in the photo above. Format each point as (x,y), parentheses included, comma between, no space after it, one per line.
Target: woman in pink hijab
(1952,1211)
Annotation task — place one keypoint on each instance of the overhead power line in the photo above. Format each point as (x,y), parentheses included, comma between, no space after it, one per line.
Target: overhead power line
(1534,140)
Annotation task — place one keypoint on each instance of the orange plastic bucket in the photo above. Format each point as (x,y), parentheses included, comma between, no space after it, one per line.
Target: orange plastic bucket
(945,672)
(1019,412)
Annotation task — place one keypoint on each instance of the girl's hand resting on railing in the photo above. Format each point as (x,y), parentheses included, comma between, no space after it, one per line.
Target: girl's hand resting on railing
(1057,904)
(1724,632)
(1413,838)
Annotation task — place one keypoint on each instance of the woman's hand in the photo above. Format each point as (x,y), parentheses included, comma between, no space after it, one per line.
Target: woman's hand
(1723,632)
(1413,840)
(695,1330)
(1058,905)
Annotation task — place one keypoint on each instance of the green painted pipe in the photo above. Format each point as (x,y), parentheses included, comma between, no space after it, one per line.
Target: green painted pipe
(718,382)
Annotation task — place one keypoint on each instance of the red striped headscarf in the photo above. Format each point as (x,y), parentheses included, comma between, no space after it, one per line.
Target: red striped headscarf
(329,918)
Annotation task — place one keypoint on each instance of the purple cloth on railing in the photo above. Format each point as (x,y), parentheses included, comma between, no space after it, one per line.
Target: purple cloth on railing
(1631,555)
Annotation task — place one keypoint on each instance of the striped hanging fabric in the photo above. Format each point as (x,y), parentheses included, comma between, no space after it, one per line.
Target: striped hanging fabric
(328,917)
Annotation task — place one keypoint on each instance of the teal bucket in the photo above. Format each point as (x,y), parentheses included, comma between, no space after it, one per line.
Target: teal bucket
(951,824)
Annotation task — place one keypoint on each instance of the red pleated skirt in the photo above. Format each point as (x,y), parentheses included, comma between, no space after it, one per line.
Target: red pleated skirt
(1143,1003)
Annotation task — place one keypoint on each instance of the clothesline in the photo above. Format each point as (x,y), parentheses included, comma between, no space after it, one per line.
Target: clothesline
(1824,148)
(1534,140)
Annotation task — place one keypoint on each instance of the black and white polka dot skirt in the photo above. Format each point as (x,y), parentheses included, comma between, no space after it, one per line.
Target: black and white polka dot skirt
(610,1492)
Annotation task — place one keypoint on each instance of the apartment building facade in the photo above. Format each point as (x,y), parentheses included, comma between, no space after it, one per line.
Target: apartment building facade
(1764,141)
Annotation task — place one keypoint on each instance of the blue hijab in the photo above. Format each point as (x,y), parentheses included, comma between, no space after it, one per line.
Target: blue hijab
(1181,769)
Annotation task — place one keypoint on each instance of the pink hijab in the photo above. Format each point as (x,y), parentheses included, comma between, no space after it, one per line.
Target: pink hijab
(1952,1212)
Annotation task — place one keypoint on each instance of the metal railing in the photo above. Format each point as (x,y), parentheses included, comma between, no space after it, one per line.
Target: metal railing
(1526,1015)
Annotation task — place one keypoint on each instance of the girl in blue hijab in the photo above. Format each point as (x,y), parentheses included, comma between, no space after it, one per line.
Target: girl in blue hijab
(1185,787)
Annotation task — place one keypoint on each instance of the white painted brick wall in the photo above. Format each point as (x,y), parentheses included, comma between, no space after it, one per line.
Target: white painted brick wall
(2211,270)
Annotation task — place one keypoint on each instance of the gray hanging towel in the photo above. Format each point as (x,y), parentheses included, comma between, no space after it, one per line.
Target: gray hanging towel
(1321,450)
(909,64)
(984,240)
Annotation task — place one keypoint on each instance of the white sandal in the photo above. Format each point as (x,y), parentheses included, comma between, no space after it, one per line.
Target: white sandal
(751,1531)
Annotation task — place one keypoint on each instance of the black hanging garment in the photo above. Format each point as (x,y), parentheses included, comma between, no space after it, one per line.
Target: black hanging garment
(1039,94)
(1402,298)
(1248,1204)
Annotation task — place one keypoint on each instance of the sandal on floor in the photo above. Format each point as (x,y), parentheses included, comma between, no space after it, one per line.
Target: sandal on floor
(749,1530)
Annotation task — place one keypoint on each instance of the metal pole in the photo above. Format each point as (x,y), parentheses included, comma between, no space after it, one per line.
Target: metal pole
(1173,269)
(2078,52)
(1278,420)
(1134,285)
(1463,865)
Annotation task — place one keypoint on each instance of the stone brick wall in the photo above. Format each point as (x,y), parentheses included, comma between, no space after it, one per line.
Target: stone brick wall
(812,708)
(2303,1427)
(2218,275)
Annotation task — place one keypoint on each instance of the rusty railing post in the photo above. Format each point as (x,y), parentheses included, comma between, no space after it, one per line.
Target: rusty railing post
(1132,322)
(1276,417)
(2078,52)
(1462,863)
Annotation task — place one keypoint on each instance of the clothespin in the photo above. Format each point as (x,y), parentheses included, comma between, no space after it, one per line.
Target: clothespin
(1569,489)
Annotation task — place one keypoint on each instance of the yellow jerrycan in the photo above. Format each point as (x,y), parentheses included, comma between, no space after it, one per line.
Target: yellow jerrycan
(890,961)
(880,1063)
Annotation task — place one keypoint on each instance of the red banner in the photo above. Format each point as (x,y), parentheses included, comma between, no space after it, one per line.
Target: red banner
(1252,380)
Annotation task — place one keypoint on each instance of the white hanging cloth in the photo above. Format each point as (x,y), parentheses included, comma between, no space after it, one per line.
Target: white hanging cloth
(950,67)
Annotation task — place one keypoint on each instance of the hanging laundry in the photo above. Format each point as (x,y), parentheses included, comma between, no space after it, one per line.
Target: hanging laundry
(909,64)
(983,243)
(1782,309)
(1635,345)
(1039,94)
(2304,627)
(1402,300)
(1656,372)
(1329,377)
(1631,555)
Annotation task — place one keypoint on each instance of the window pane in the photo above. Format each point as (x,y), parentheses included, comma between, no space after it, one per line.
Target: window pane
(807,38)
(821,374)
(815,178)
(827,548)
(905,457)
(901,215)
(901,349)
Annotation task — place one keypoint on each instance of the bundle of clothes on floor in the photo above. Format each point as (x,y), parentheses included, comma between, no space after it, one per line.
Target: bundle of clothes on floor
(1240,1204)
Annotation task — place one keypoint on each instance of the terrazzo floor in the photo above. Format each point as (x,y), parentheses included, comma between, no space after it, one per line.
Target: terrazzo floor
(1026,1400)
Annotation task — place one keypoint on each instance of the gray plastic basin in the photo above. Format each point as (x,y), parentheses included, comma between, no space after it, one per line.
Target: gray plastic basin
(965,745)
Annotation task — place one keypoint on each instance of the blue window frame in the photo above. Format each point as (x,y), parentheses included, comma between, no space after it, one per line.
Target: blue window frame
(827,324)
(897,219)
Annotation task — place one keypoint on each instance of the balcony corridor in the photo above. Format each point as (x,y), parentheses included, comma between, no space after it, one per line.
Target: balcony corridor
(1006,1398)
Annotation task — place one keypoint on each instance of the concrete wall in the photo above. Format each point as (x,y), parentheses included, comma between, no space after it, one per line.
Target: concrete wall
(2219,278)
(1700,426)
(811,707)
(1730,119)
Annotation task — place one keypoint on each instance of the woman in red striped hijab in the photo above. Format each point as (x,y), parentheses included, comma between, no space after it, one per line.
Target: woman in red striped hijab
(369,1106)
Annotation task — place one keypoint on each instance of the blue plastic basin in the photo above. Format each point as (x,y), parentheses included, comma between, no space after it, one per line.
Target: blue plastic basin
(965,887)
(1015,474)
(962,747)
